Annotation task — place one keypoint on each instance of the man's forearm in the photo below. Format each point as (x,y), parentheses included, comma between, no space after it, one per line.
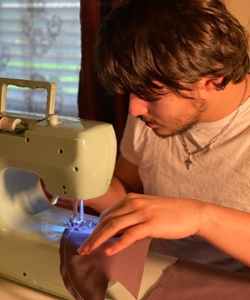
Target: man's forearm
(228,230)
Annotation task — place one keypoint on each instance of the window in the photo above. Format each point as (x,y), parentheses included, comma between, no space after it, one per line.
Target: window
(40,40)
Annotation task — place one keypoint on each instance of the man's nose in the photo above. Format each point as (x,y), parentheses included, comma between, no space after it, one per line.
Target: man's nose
(137,106)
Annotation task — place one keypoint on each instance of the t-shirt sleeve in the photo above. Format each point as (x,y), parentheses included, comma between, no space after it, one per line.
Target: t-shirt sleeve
(127,146)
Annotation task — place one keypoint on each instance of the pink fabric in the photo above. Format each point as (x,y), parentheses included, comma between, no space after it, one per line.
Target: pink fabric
(188,280)
(87,277)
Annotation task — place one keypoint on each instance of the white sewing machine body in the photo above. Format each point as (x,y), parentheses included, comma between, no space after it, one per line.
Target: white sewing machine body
(75,158)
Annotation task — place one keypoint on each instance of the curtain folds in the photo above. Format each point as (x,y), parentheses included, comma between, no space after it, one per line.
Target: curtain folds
(94,102)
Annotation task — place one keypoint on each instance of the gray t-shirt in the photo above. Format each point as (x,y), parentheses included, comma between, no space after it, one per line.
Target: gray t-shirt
(220,175)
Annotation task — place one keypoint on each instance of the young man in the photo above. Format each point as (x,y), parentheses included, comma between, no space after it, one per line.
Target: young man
(183,177)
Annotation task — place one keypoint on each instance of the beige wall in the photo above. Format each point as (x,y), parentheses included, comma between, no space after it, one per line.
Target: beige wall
(241,10)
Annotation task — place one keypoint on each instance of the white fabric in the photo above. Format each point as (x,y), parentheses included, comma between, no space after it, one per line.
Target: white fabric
(220,175)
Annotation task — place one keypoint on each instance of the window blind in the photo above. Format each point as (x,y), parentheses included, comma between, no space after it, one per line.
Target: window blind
(40,40)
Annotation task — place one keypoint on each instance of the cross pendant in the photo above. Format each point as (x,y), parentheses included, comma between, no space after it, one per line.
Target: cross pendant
(188,162)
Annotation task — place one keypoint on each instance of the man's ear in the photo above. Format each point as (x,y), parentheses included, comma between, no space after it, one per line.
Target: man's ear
(210,84)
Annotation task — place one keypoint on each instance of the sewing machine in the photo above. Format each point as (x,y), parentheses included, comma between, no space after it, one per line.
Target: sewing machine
(75,158)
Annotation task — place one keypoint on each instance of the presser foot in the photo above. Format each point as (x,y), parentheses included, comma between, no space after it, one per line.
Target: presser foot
(80,224)
(78,221)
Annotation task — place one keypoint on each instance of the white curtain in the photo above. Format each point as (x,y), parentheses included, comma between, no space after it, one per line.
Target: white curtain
(40,40)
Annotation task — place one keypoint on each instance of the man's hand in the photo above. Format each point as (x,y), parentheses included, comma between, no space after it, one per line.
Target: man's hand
(138,216)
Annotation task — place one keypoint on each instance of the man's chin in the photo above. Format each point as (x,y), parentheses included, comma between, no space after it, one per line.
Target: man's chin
(162,135)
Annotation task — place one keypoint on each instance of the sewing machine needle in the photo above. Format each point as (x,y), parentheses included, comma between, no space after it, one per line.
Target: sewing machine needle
(81,210)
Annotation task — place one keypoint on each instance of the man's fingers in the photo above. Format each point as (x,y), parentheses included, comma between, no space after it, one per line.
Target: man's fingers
(108,228)
(130,236)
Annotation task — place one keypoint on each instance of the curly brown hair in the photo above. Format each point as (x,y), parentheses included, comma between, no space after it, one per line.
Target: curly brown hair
(144,45)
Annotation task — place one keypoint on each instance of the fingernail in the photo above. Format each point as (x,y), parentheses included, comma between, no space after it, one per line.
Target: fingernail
(109,251)
(83,250)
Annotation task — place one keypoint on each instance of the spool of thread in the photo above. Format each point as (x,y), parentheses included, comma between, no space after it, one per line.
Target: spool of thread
(9,124)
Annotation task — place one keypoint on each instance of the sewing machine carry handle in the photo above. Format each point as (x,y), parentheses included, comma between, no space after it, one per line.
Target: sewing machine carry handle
(51,88)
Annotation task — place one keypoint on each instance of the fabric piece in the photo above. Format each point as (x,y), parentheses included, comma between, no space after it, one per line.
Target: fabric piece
(163,173)
(194,281)
(86,277)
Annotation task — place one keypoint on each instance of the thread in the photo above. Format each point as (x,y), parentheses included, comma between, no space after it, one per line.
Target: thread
(9,124)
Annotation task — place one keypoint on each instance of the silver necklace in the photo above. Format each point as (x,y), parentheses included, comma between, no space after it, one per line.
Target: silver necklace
(189,153)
